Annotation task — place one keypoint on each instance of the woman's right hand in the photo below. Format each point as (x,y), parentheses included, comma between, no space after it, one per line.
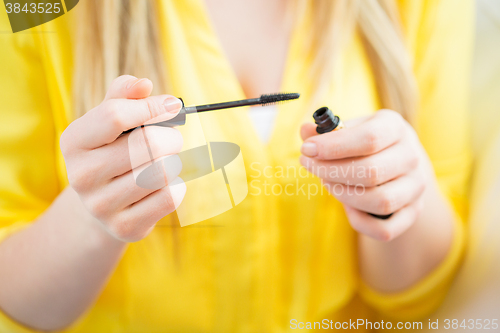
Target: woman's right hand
(101,163)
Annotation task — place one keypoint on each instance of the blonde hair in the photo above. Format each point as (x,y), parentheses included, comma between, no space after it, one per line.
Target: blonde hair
(122,37)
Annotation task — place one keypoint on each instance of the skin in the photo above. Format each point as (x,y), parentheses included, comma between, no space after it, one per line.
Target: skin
(64,258)
(397,252)
(258,59)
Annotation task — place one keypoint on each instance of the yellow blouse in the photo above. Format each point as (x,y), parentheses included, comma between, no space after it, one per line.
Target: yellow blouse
(273,258)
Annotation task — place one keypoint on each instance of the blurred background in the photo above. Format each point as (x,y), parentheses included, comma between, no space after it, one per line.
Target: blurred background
(476,291)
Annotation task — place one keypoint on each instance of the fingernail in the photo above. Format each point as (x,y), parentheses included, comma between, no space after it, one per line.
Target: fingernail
(309,149)
(132,83)
(172,104)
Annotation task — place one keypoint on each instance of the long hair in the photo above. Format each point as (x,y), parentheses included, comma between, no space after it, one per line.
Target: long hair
(122,37)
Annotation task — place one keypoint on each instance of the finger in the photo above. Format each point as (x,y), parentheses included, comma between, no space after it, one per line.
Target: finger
(124,190)
(128,86)
(357,121)
(137,221)
(105,123)
(366,171)
(307,130)
(130,151)
(380,131)
(159,173)
(384,230)
(380,200)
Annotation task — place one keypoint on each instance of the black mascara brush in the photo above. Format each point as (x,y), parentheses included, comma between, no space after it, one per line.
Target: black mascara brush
(263,100)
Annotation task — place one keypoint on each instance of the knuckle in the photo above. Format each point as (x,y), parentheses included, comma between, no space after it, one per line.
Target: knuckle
(126,230)
(98,208)
(154,108)
(390,114)
(119,79)
(121,230)
(372,141)
(66,140)
(385,235)
(373,179)
(413,161)
(388,203)
(79,180)
(419,208)
(398,118)
(421,187)
(113,114)
(397,121)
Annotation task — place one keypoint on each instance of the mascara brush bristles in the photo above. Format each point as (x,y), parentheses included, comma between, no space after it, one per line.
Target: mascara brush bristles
(270,99)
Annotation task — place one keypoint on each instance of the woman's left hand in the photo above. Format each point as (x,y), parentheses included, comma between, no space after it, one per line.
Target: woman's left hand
(375,165)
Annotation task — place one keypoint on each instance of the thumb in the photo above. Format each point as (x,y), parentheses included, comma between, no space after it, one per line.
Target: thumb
(128,86)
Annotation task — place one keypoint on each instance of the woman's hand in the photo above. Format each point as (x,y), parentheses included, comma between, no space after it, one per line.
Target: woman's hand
(101,163)
(375,165)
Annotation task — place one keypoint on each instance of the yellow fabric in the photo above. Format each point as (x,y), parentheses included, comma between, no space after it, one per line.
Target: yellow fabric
(436,31)
(476,290)
(273,258)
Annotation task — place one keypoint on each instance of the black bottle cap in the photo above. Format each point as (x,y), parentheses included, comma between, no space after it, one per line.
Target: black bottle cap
(326,120)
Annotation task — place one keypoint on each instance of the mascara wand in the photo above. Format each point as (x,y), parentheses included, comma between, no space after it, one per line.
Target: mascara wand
(263,100)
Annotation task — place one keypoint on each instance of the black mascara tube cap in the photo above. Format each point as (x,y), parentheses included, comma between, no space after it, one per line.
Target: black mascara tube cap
(326,120)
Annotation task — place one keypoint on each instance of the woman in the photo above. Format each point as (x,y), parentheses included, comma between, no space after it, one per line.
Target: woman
(274,258)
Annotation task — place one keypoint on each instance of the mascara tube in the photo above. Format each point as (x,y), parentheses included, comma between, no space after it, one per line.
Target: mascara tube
(326,122)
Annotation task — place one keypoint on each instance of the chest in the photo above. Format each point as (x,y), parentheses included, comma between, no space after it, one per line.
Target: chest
(254,36)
